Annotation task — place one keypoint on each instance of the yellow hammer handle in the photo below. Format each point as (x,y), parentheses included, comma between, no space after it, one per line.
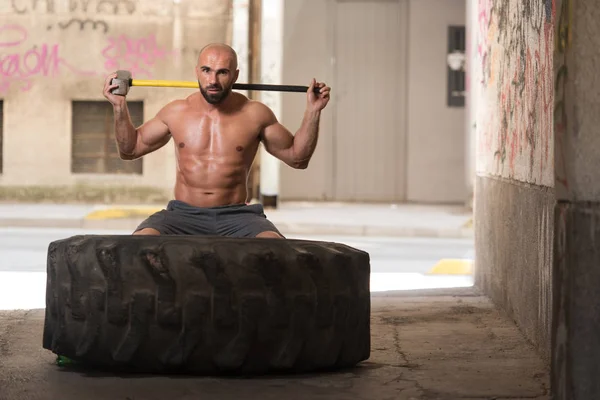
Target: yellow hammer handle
(164,83)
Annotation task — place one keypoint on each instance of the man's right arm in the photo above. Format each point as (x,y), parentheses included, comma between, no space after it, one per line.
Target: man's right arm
(135,142)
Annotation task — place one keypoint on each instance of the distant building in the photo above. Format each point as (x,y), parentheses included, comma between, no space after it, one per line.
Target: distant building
(57,128)
(394,130)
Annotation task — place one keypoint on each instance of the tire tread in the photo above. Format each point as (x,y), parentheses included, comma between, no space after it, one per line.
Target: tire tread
(207,305)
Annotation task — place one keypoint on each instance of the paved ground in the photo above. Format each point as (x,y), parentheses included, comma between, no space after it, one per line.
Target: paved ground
(446,345)
(405,220)
(439,344)
(397,263)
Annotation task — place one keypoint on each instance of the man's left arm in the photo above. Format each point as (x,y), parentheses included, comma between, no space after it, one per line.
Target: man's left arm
(297,150)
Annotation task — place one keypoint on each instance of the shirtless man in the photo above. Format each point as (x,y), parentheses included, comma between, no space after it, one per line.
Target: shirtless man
(216,134)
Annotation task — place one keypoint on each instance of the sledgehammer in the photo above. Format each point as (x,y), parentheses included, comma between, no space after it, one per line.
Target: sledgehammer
(125,81)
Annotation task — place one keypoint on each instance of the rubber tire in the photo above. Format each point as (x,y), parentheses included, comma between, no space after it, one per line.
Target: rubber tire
(206,305)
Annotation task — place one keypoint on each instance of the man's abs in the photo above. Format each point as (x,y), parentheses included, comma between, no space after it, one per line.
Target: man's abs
(211,184)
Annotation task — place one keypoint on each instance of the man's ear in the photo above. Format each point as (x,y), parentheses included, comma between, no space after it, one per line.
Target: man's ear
(237,73)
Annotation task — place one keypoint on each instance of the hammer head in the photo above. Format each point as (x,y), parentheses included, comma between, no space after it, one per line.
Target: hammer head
(123,79)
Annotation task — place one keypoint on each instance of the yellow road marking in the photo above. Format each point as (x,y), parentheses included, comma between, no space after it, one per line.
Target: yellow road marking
(121,212)
(450,266)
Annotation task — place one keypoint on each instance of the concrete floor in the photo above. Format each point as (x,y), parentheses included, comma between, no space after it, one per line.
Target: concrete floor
(436,344)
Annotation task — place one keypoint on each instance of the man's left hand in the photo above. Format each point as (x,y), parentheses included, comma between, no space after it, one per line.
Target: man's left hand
(317,102)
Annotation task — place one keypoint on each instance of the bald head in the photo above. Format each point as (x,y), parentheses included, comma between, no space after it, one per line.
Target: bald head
(220,52)
(217,70)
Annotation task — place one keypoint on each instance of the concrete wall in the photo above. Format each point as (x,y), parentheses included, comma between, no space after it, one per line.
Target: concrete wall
(514,194)
(576,325)
(436,132)
(516,96)
(61,50)
(435,142)
(307,53)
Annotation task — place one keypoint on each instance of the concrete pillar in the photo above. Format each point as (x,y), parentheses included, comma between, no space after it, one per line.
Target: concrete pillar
(514,189)
(271,56)
(472,76)
(576,288)
(240,39)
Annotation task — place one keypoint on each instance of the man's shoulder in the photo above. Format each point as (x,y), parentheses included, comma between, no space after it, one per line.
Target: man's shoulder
(259,109)
(176,106)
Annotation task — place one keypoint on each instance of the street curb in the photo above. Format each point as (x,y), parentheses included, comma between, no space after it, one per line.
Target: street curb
(452,266)
(41,223)
(122,212)
(286,229)
(365,230)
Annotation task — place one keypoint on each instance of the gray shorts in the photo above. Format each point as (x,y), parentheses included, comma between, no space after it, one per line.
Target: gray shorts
(238,220)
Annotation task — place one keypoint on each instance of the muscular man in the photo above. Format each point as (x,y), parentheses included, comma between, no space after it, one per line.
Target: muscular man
(216,133)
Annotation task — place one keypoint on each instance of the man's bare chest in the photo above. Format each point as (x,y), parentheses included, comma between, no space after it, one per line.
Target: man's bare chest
(220,134)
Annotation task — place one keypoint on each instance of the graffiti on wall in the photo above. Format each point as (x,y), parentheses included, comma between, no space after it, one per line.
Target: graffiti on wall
(93,10)
(23,61)
(83,24)
(108,7)
(137,55)
(20,65)
(28,6)
(103,6)
(515,47)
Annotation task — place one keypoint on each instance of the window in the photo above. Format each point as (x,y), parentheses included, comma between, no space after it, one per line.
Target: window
(456,66)
(94,149)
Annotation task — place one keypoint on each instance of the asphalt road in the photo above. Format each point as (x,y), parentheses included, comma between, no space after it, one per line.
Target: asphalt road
(396,263)
(24,249)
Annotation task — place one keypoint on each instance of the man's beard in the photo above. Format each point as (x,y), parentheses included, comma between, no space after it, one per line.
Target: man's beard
(214,98)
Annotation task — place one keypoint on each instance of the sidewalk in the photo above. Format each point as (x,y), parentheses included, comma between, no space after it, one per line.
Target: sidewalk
(439,344)
(409,220)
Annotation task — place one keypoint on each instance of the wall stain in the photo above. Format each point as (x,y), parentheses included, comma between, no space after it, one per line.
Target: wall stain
(562,44)
(515,48)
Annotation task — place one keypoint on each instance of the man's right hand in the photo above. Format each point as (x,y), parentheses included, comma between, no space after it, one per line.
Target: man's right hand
(114,99)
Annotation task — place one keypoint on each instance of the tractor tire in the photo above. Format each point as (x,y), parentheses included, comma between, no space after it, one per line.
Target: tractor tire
(207,305)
